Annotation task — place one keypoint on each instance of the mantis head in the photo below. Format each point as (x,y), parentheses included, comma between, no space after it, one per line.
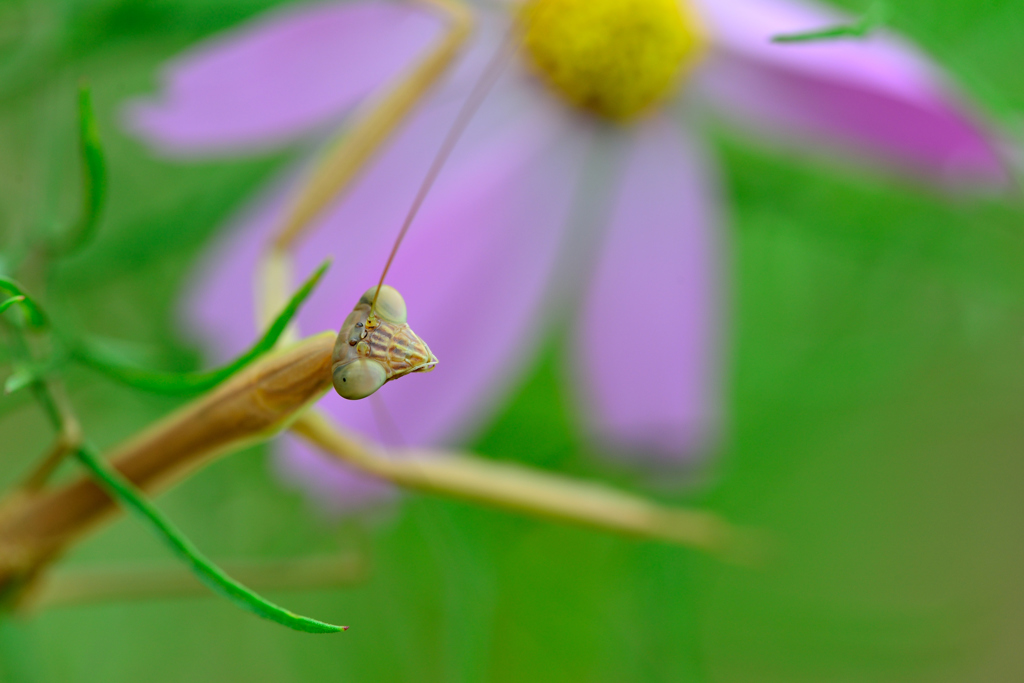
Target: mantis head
(377,345)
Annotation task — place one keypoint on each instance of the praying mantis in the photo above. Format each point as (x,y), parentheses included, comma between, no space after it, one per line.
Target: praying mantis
(274,387)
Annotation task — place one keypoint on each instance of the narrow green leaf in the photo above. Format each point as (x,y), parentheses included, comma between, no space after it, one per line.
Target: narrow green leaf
(33,313)
(195,382)
(30,371)
(4,305)
(865,25)
(213,576)
(94,178)
(18,380)
(831,33)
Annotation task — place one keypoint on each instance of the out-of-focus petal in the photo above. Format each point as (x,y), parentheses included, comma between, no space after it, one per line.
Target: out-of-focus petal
(877,97)
(473,269)
(281,75)
(647,346)
(336,489)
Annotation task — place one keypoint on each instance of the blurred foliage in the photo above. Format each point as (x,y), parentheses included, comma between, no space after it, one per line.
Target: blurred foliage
(876,398)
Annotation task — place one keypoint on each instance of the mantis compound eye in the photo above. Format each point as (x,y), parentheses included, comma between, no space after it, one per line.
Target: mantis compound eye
(359,378)
(390,304)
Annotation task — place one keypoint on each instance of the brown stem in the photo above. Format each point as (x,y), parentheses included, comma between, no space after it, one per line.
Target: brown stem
(533,492)
(259,401)
(68,439)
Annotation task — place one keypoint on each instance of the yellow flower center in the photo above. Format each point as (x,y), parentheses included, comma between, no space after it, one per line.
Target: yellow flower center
(612,57)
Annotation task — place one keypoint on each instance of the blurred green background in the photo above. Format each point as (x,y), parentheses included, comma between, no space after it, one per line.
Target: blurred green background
(876,397)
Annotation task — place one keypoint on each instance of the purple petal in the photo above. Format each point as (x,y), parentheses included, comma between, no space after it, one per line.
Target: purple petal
(649,335)
(277,77)
(877,98)
(473,269)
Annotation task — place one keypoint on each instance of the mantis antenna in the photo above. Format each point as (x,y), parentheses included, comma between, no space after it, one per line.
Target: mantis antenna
(377,345)
(476,97)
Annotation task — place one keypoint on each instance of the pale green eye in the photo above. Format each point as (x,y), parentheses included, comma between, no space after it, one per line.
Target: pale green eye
(390,304)
(359,378)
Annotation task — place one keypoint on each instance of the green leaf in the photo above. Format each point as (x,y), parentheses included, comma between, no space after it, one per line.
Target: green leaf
(33,312)
(195,382)
(94,178)
(210,574)
(4,305)
(18,380)
(30,371)
(867,23)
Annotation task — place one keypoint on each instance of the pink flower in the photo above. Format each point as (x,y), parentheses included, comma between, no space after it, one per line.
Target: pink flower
(502,254)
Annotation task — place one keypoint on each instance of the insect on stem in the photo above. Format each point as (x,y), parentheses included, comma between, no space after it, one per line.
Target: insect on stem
(469,108)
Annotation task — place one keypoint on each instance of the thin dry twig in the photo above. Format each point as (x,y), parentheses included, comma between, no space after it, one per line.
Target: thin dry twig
(520,489)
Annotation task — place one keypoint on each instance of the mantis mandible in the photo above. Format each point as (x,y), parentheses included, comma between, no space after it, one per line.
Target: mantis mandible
(277,390)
